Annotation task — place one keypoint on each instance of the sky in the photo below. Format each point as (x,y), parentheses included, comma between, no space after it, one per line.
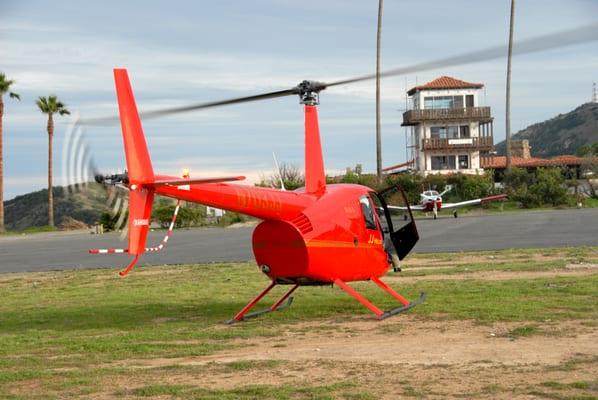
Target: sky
(184,52)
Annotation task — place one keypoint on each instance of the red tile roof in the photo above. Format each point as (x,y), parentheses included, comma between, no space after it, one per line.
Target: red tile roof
(394,167)
(500,162)
(445,82)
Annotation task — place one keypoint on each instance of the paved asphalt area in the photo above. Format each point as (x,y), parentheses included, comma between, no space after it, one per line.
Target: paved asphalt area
(68,250)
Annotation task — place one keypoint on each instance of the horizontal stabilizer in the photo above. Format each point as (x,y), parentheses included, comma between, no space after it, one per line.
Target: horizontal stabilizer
(179,182)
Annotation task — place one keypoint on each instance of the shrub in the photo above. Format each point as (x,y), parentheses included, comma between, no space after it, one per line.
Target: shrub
(109,220)
(467,187)
(549,187)
(187,216)
(411,184)
(534,189)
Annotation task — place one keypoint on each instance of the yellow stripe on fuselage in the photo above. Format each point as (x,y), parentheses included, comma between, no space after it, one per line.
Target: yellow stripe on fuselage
(342,244)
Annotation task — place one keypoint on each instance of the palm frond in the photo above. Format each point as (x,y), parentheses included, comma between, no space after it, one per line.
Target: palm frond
(14,95)
(51,105)
(4,83)
(42,104)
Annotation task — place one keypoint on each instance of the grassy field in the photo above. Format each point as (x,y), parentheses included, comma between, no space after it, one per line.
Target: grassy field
(159,332)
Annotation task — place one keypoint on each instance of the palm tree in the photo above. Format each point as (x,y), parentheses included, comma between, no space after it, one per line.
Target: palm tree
(508,105)
(50,105)
(4,88)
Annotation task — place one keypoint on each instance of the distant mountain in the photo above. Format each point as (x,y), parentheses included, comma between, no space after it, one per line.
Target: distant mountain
(563,134)
(32,209)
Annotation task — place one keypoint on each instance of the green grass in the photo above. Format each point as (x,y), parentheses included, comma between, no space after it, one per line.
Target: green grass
(30,230)
(573,385)
(524,331)
(590,202)
(70,331)
(579,390)
(494,266)
(510,254)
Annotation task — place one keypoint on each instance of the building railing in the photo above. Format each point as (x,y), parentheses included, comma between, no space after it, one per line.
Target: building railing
(414,117)
(480,143)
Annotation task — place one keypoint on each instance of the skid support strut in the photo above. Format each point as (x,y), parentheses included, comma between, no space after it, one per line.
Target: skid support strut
(243,315)
(406,304)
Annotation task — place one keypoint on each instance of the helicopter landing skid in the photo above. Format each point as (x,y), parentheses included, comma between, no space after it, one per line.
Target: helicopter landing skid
(406,304)
(278,306)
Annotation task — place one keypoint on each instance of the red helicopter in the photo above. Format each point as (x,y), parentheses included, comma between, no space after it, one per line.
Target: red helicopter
(321,234)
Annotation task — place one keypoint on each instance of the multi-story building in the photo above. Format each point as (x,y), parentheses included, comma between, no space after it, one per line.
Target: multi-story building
(448,131)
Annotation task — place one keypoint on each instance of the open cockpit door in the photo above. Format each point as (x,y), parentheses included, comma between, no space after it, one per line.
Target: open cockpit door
(396,221)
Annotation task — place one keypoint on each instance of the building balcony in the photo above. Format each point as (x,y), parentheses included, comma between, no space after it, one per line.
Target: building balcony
(474,143)
(414,117)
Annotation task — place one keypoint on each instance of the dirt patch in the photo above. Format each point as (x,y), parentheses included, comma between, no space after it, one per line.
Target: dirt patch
(582,266)
(397,358)
(409,341)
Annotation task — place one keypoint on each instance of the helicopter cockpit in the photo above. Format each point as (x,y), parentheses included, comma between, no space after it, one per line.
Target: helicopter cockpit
(398,226)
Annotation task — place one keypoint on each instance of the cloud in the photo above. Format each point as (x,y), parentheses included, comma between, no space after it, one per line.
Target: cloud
(195,53)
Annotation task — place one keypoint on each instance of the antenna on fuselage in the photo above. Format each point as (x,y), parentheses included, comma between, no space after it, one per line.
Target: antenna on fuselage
(279,172)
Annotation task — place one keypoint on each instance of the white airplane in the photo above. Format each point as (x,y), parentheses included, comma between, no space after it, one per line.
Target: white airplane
(431,200)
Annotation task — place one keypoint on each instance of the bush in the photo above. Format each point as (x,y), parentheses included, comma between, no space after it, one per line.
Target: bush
(109,221)
(549,187)
(436,182)
(230,218)
(291,177)
(188,216)
(534,189)
(588,150)
(411,185)
(466,187)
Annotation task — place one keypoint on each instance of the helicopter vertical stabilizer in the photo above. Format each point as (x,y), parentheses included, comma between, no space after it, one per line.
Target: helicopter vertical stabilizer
(139,167)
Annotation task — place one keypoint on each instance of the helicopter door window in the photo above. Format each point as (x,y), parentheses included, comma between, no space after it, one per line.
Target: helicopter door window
(368,212)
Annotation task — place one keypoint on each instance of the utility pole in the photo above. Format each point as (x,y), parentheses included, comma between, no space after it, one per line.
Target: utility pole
(378,127)
(508,102)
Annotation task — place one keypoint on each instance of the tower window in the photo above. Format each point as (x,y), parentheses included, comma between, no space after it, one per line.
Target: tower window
(443,162)
(464,162)
(438,102)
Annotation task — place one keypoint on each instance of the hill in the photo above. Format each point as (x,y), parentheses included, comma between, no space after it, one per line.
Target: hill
(563,134)
(31,209)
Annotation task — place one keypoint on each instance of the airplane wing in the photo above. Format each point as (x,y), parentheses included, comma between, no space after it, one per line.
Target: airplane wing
(415,207)
(474,202)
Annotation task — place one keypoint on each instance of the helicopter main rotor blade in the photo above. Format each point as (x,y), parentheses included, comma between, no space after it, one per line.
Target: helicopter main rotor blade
(571,37)
(587,33)
(193,107)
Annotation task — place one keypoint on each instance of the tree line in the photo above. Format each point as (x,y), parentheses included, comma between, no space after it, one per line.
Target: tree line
(528,188)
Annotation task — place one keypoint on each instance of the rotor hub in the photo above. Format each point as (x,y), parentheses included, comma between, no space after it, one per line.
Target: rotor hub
(309,92)
(113,179)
